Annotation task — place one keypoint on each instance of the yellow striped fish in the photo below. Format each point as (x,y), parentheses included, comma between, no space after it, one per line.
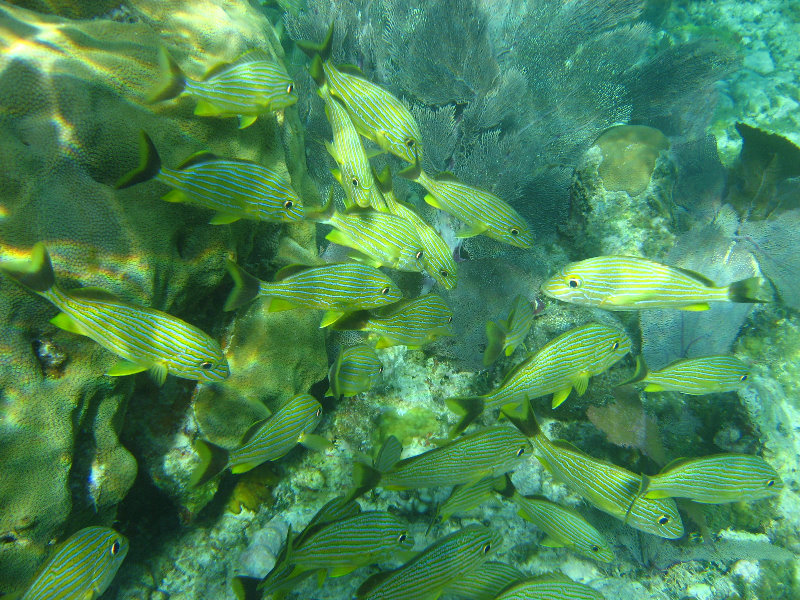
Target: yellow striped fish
(343,546)
(714,479)
(607,486)
(235,189)
(693,376)
(489,452)
(252,85)
(376,114)
(506,335)
(354,371)
(438,259)
(427,574)
(144,338)
(467,497)
(335,288)
(483,212)
(381,238)
(567,362)
(81,568)
(634,283)
(485,582)
(564,528)
(265,441)
(553,586)
(411,323)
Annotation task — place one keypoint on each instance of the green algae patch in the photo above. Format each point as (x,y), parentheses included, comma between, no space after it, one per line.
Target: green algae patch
(405,425)
(629,157)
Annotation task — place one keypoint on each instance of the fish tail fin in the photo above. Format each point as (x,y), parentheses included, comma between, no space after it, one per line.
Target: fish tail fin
(246,288)
(213,460)
(523,419)
(149,164)
(469,407)
(175,80)
(746,290)
(365,478)
(497,338)
(35,273)
(316,71)
(640,373)
(323,50)
(504,486)
(325,212)
(246,588)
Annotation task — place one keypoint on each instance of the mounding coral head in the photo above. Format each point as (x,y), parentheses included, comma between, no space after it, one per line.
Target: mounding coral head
(629,156)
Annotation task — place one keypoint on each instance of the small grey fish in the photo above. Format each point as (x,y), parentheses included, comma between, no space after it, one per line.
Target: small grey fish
(266,440)
(433,569)
(81,568)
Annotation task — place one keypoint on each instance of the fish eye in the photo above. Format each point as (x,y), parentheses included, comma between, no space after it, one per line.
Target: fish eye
(450,319)
(514,231)
(743,378)
(402,537)
(486,548)
(521,451)
(381,369)
(418,255)
(573,283)
(595,548)
(770,483)
(288,204)
(354,182)
(615,345)
(115,548)
(206,365)
(444,273)
(410,142)
(290,88)
(663,520)
(385,290)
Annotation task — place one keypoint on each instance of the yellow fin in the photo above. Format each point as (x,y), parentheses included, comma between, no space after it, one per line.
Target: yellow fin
(244,467)
(335,154)
(339,237)
(329,318)
(279,304)
(472,231)
(67,323)
(561,395)
(126,367)
(700,306)
(433,201)
(551,542)
(384,342)
(580,382)
(175,196)
(653,387)
(223,218)
(315,442)
(246,120)
(381,140)
(159,373)
(204,108)
(342,570)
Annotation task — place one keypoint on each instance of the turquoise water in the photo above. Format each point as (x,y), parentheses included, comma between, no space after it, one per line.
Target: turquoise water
(547,133)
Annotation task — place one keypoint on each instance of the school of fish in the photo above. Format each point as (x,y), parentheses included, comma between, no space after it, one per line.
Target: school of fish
(382,231)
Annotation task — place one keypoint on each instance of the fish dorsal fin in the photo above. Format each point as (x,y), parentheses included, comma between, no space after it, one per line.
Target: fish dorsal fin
(256,55)
(372,582)
(290,270)
(350,69)
(697,276)
(93,293)
(198,158)
(674,464)
(389,454)
(446,176)
(565,445)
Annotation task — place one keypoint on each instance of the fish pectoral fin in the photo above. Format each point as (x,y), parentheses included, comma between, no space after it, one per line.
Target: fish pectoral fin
(223,218)
(653,387)
(580,382)
(341,570)
(384,342)
(246,120)
(329,318)
(551,542)
(433,201)
(175,196)
(337,236)
(279,305)
(700,306)
(204,108)
(158,371)
(315,442)
(245,467)
(560,395)
(335,154)
(382,140)
(472,230)
(126,367)
(67,323)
